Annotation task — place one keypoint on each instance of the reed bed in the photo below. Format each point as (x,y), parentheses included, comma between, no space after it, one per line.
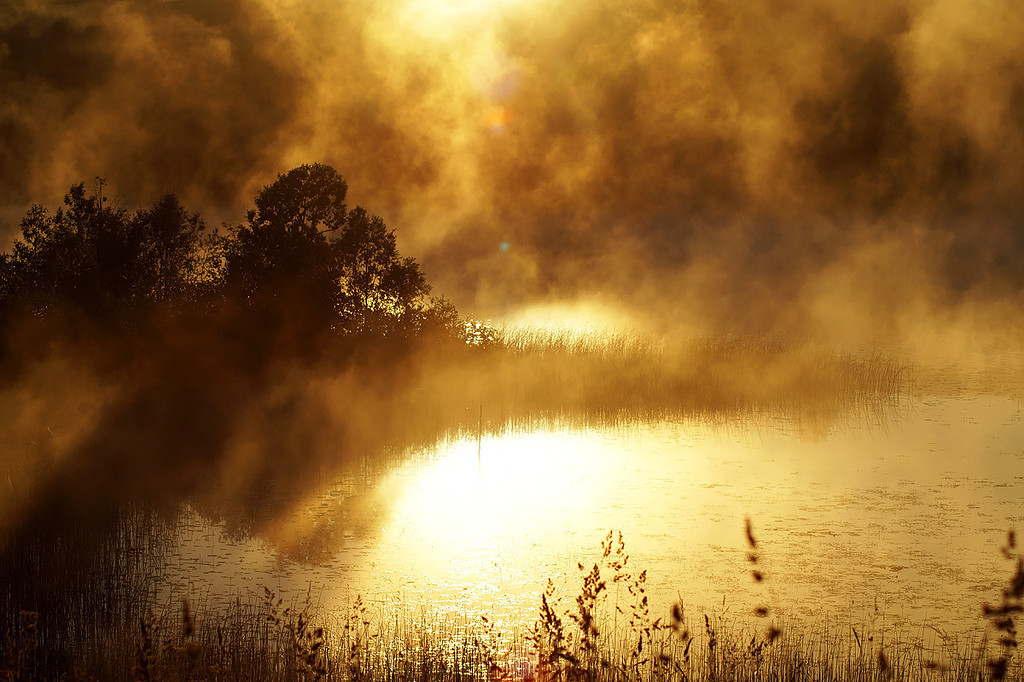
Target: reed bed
(604,632)
(519,375)
(253,642)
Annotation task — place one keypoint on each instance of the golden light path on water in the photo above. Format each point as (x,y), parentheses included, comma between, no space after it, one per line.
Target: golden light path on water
(846,517)
(906,516)
(496,522)
(480,521)
(845,522)
(466,496)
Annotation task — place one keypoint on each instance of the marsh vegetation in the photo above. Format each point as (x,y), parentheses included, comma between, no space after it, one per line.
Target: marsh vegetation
(605,631)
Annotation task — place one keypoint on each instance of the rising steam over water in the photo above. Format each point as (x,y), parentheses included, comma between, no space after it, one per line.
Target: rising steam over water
(804,213)
(828,168)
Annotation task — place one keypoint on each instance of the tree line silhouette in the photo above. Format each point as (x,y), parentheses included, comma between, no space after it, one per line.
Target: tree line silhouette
(302,267)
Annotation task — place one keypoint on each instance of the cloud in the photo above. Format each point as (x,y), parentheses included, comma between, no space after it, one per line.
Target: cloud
(717,156)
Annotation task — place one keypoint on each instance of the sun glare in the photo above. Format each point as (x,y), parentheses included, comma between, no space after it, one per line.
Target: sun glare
(441,17)
(498,492)
(580,317)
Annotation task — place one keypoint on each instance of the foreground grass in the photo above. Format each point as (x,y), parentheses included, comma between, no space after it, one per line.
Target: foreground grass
(603,633)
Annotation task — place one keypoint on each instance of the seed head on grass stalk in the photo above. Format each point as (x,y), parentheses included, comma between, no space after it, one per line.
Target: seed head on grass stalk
(1002,617)
(495,657)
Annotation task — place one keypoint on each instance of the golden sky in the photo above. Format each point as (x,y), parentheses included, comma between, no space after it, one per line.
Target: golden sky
(751,163)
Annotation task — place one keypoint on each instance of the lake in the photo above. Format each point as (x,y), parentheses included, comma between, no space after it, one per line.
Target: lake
(886,518)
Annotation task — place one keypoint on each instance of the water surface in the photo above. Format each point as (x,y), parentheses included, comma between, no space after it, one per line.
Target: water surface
(891,519)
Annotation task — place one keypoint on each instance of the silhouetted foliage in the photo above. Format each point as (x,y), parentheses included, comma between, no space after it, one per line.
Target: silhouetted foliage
(86,257)
(301,268)
(100,260)
(176,264)
(303,256)
(379,290)
(280,263)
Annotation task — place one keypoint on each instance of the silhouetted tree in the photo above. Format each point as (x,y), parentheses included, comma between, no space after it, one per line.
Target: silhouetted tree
(86,256)
(280,263)
(380,292)
(100,260)
(300,267)
(302,253)
(305,202)
(173,253)
(440,318)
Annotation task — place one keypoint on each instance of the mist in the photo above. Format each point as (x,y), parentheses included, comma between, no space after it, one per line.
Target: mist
(803,167)
(687,214)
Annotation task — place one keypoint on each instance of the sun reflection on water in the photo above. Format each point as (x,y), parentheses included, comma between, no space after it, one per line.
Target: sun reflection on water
(866,516)
(490,521)
(481,527)
(502,490)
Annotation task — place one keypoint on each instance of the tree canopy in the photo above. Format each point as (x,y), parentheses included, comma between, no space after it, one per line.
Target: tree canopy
(301,259)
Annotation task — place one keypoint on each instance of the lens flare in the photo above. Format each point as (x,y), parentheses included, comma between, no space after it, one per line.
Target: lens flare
(497,120)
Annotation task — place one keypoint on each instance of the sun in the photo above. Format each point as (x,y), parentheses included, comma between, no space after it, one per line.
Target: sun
(444,18)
